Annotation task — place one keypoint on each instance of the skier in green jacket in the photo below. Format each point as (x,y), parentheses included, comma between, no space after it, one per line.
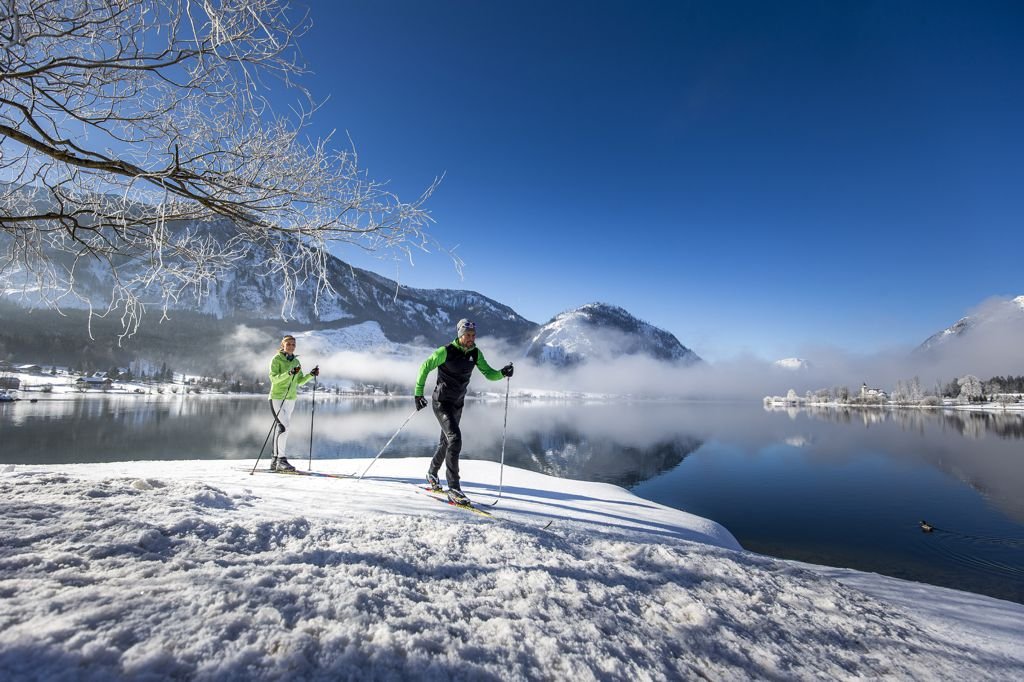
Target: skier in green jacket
(285,378)
(454,364)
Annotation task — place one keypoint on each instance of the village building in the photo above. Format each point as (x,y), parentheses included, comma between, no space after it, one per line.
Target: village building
(872,393)
(83,383)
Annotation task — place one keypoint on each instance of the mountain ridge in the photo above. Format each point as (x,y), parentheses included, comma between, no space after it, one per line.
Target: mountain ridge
(600,331)
(406,315)
(991,315)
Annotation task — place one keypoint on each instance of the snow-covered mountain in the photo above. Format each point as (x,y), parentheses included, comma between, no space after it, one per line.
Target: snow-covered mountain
(792,364)
(404,314)
(363,310)
(599,331)
(245,294)
(994,318)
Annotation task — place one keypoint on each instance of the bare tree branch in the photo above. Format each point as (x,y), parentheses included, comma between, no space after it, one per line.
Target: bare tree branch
(139,147)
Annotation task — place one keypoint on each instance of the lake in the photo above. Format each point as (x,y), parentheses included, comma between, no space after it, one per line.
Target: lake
(837,487)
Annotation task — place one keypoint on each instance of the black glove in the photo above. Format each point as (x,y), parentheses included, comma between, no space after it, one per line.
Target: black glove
(421,402)
(506,371)
(295,370)
(315,371)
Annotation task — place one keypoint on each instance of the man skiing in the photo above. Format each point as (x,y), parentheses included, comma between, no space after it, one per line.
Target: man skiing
(454,364)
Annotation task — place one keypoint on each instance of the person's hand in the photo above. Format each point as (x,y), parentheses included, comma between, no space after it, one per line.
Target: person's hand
(315,371)
(421,402)
(507,370)
(295,370)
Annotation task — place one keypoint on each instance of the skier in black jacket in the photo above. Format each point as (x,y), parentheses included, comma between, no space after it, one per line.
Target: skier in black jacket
(454,364)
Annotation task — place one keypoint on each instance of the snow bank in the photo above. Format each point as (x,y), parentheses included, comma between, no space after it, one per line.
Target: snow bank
(198,570)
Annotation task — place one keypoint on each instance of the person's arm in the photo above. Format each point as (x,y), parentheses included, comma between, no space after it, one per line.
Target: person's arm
(486,369)
(435,360)
(279,376)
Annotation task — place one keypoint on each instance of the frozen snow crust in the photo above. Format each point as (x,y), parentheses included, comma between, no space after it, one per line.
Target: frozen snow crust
(196,570)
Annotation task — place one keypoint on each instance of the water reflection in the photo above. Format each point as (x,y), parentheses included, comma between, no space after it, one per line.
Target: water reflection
(977,448)
(968,423)
(612,444)
(827,485)
(568,452)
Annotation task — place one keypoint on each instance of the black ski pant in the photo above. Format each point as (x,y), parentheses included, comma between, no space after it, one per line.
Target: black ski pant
(448,416)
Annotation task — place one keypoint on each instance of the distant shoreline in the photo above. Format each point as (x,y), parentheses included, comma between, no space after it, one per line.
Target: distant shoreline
(970,407)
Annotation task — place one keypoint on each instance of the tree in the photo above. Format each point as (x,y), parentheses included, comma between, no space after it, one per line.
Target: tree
(900,393)
(993,386)
(916,394)
(138,139)
(970,388)
(952,389)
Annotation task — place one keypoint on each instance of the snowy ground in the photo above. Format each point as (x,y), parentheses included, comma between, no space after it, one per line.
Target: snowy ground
(198,570)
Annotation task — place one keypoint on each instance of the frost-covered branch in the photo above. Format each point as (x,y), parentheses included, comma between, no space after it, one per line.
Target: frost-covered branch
(139,147)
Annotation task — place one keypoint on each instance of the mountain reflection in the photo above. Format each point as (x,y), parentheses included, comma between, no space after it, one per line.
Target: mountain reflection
(568,453)
(976,448)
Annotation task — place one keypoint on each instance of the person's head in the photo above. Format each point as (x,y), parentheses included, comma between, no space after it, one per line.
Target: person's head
(466,332)
(288,345)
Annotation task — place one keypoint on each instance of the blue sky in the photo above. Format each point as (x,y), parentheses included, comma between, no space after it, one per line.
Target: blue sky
(753,177)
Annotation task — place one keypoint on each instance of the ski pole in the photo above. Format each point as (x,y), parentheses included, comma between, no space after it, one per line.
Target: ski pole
(312,415)
(360,477)
(266,440)
(504,428)
(272,425)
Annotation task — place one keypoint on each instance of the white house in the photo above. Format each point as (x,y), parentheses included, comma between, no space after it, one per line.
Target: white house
(872,393)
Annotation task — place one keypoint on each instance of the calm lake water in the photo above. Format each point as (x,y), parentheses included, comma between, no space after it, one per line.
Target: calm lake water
(844,488)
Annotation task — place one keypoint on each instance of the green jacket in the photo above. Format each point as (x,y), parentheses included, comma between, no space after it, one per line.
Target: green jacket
(454,365)
(280,379)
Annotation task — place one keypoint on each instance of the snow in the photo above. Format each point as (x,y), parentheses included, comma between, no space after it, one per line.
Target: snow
(367,336)
(198,570)
(792,364)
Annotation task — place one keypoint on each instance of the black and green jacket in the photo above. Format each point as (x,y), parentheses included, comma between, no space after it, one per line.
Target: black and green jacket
(454,365)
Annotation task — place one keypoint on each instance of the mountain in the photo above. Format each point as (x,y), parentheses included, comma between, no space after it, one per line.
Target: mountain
(363,310)
(246,295)
(792,364)
(598,331)
(995,321)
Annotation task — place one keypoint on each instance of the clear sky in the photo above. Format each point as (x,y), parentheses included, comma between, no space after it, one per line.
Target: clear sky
(751,176)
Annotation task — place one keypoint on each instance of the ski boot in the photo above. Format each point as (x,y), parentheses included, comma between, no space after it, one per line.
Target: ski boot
(281,464)
(434,483)
(455,496)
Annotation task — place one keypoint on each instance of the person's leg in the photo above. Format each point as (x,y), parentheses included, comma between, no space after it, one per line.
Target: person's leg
(450,416)
(283,409)
(450,443)
(442,448)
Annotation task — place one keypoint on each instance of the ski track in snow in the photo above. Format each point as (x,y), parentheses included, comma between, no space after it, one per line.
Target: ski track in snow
(168,570)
